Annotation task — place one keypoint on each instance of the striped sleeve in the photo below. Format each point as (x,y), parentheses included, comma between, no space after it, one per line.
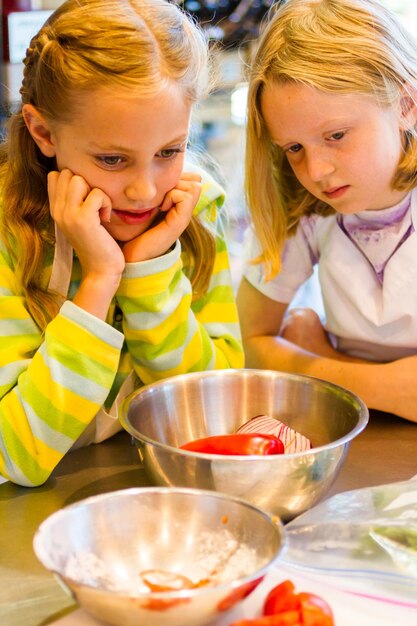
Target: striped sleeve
(168,333)
(51,386)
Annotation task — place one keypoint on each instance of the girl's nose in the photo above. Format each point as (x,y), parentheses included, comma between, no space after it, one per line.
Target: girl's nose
(141,188)
(319,165)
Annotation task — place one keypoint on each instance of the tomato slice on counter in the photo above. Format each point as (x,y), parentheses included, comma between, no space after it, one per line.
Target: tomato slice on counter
(314,610)
(281,598)
(238,444)
(284,607)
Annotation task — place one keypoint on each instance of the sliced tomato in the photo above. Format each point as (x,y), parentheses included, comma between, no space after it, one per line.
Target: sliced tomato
(310,599)
(314,610)
(284,607)
(281,598)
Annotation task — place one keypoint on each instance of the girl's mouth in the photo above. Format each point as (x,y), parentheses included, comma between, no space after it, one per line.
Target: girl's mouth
(336,192)
(134,217)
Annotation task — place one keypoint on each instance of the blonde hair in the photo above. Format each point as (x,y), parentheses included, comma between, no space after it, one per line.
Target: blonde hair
(87,44)
(336,46)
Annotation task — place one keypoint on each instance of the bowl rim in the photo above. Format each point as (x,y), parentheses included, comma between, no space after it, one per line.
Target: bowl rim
(274,521)
(363,413)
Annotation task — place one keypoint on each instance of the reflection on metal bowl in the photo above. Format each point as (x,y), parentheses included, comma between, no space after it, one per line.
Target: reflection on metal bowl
(164,415)
(105,547)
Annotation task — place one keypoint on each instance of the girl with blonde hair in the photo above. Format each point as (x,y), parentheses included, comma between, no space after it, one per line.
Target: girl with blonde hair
(331,176)
(113,267)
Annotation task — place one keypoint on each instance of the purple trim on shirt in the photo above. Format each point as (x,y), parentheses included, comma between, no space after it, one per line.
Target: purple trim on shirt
(379,234)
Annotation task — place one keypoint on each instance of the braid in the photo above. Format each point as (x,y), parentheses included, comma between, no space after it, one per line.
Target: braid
(26,223)
(30,62)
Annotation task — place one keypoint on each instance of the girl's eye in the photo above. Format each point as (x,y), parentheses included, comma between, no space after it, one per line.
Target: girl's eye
(337,136)
(295,148)
(110,160)
(169,153)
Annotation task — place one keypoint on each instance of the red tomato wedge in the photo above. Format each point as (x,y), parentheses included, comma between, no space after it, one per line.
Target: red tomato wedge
(314,610)
(281,598)
(284,607)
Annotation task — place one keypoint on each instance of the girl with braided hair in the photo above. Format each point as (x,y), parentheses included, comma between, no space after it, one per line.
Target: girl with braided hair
(113,267)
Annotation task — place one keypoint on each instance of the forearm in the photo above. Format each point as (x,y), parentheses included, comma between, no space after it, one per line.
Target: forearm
(95,294)
(381,386)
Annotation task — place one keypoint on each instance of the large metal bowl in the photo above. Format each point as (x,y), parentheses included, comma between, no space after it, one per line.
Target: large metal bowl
(164,415)
(99,547)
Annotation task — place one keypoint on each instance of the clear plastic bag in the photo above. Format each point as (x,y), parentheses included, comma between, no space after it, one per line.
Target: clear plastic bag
(364,541)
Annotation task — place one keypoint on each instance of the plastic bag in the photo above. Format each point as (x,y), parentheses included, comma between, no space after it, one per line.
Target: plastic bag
(364,541)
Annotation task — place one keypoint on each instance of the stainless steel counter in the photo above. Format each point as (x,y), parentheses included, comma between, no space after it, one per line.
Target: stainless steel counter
(30,596)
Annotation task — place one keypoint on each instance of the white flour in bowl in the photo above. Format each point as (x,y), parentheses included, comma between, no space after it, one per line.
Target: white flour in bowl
(218,558)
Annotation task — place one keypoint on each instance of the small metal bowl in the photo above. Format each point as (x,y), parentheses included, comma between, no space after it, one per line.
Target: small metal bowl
(164,415)
(101,547)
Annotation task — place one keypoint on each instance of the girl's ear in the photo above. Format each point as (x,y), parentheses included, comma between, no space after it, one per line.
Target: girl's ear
(40,130)
(408,108)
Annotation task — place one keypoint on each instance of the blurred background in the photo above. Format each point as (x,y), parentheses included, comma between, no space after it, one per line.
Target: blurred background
(219,123)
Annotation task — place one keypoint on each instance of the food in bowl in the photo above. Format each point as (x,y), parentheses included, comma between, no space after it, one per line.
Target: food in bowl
(165,415)
(261,435)
(237,444)
(291,439)
(159,556)
(219,558)
(163,580)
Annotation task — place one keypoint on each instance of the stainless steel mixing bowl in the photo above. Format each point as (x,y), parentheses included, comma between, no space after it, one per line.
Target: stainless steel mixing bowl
(164,415)
(99,547)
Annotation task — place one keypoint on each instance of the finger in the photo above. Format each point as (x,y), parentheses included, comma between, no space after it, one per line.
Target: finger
(192,186)
(179,201)
(182,198)
(182,207)
(105,205)
(52,181)
(185,189)
(167,202)
(191,176)
(60,181)
(76,191)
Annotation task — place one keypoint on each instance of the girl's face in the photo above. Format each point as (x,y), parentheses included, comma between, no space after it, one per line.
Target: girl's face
(131,148)
(344,149)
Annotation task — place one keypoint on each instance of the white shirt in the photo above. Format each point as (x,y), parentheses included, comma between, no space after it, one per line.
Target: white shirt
(370,303)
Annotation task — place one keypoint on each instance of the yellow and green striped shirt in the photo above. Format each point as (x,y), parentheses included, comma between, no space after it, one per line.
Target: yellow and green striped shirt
(53,385)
